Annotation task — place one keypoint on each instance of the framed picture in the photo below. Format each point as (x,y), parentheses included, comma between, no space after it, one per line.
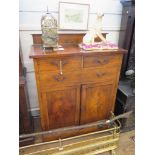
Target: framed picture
(73,16)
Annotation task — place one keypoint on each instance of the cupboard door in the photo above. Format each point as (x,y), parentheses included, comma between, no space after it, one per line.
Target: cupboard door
(96,102)
(61,107)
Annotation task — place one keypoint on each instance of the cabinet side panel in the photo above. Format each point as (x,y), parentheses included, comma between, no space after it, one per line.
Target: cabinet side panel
(116,81)
(41,98)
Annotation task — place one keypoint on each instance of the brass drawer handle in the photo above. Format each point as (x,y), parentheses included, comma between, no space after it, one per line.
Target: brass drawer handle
(64,62)
(104,61)
(98,74)
(55,63)
(59,63)
(98,61)
(59,78)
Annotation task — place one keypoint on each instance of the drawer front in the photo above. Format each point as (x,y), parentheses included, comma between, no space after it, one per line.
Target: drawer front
(56,64)
(55,79)
(99,74)
(101,60)
(87,75)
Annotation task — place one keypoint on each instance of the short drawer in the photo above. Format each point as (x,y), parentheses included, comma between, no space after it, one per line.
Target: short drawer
(99,74)
(55,79)
(101,60)
(56,64)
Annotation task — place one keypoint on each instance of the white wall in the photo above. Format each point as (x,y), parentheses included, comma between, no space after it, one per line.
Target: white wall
(30,13)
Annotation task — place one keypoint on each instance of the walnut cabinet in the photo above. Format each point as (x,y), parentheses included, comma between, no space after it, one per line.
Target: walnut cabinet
(74,86)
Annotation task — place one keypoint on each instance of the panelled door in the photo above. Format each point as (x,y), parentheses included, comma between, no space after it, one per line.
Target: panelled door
(96,102)
(61,107)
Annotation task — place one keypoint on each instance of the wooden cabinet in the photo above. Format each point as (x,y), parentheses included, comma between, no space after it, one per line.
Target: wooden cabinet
(74,86)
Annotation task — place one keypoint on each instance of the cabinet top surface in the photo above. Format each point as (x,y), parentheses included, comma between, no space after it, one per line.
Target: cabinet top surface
(37,51)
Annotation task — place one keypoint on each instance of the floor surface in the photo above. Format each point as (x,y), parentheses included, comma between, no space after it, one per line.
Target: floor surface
(126,144)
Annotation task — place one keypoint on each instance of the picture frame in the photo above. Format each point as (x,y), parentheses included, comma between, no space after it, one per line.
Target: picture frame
(73,16)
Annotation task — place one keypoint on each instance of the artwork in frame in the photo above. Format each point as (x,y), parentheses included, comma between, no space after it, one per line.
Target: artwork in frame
(73,16)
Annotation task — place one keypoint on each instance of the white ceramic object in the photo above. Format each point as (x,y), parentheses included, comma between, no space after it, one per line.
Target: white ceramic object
(96,31)
(129,72)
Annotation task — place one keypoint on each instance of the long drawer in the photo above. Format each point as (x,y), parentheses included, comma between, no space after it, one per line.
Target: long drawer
(55,79)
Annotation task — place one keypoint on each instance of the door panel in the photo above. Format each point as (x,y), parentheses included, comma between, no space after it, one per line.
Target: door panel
(96,102)
(63,107)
